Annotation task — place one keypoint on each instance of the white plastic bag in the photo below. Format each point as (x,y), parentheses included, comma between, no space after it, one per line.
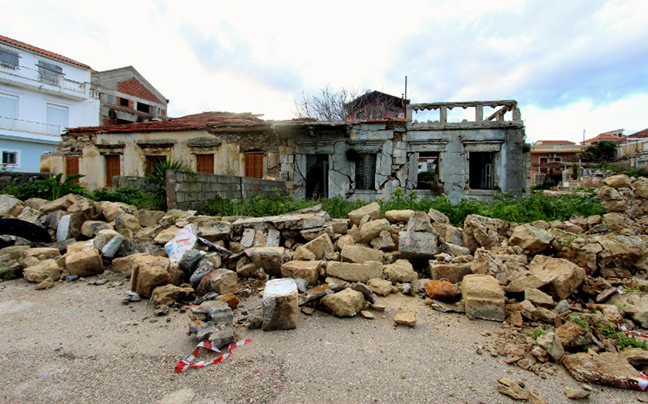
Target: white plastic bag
(184,240)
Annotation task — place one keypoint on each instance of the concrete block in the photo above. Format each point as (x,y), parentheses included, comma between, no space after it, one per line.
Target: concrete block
(483,297)
(360,254)
(308,270)
(280,305)
(84,263)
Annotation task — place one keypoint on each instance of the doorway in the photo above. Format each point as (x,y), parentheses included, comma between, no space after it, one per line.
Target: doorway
(317,176)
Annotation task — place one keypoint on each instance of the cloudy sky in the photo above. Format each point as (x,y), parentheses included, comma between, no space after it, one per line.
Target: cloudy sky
(572,65)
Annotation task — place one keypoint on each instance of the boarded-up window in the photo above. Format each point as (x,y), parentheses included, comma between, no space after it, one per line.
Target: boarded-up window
(366,171)
(205,163)
(112,169)
(72,166)
(151,161)
(254,164)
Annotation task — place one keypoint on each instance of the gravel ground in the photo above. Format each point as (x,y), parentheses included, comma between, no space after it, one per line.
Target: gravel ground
(77,343)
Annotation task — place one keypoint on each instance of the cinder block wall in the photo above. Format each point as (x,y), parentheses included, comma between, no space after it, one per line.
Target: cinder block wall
(191,190)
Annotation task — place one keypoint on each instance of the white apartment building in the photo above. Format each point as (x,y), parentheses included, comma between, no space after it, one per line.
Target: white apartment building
(41,94)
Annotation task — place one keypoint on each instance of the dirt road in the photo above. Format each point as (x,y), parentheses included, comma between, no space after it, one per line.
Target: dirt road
(77,343)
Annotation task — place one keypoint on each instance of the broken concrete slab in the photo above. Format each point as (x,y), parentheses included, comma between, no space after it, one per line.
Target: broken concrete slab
(84,263)
(483,297)
(531,239)
(401,271)
(345,303)
(360,254)
(372,210)
(170,294)
(308,270)
(45,269)
(396,216)
(221,281)
(372,229)
(269,258)
(607,368)
(381,287)
(562,276)
(279,304)
(417,245)
(355,272)
(320,246)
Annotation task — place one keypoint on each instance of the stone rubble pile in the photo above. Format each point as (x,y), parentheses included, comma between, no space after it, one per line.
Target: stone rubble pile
(564,291)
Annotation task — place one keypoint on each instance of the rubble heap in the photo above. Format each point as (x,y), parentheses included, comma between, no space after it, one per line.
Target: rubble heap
(571,293)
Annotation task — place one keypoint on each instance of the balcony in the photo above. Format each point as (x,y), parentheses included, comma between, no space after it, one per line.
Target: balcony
(464,114)
(38,128)
(43,80)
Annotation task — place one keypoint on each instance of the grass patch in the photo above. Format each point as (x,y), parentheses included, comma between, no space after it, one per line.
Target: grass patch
(623,341)
(579,321)
(522,210)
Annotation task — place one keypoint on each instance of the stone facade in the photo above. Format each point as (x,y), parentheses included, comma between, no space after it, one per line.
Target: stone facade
(365,160)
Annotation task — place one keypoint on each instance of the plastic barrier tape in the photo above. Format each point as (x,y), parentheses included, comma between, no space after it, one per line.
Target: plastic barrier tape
(188,361)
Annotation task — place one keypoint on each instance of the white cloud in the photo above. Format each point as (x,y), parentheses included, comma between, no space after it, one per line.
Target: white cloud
(580,64)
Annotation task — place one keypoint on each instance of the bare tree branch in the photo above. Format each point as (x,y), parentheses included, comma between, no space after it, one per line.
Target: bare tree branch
(329,105)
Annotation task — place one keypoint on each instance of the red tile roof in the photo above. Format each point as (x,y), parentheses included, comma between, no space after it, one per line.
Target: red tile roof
(190,122)
(640,134)
(604,137)
(553,142)
(13,42)
(133,87)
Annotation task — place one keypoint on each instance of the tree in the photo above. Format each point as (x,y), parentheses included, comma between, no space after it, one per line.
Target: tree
(328,105)
(602,151)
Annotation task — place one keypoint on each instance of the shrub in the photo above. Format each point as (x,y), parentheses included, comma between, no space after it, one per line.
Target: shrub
(52,188)
(130,195)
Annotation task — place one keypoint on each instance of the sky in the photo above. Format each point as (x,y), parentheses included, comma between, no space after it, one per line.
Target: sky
(574,66)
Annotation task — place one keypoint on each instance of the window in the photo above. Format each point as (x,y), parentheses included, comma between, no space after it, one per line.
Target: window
(205,163)
(480,175)
(10,158)
(254,164)
(72,166)
(123,102)
(49,73)
(365,175)
(8,111)
(152,161)
(9,58)
(112,169)
(57,119)
(143,107)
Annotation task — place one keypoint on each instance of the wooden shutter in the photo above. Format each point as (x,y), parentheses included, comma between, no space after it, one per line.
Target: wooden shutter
(72,166)
(366,171)
(205,163)
(151,161)
(254,164)
(112,169)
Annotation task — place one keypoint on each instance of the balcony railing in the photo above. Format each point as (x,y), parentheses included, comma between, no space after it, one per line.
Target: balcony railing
(44,76)
(464,113)
(30,127)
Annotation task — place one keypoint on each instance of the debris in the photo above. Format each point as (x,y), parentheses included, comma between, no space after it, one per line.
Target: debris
(407,319)
(512,389)
(280,305)
(576,394)
(188,361)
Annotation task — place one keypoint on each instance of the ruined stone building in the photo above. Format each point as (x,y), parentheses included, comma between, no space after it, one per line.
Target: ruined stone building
(355,159)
